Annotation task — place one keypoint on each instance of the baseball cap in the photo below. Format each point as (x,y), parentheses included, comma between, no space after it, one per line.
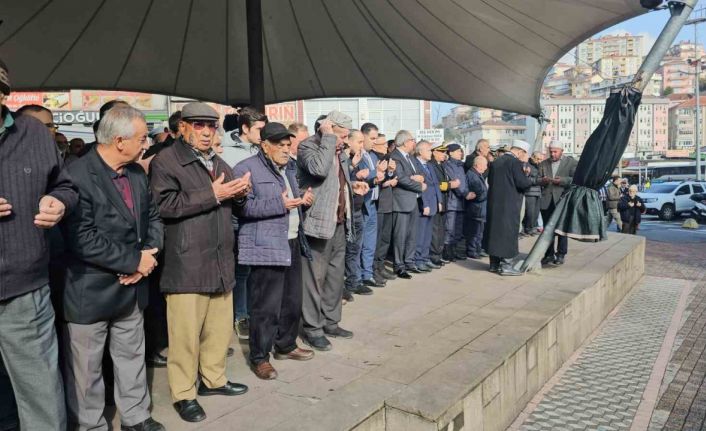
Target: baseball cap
(198,111)
(340,119)
(274,132)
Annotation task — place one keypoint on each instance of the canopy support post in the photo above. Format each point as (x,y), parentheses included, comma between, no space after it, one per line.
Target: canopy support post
(256,69)
(543,121)
(680,11)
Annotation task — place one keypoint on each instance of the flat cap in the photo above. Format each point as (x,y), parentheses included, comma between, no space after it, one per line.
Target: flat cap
(340,119)
(198,111)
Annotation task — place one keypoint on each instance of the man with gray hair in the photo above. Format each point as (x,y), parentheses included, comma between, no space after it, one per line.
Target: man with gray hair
(405,210)
(112,239)
(555,175)
(325,168)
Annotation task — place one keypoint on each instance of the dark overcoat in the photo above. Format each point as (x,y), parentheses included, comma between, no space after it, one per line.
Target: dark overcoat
(507,183)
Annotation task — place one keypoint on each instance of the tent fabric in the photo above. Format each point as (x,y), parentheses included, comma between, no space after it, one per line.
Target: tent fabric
(491,53)
(580,209)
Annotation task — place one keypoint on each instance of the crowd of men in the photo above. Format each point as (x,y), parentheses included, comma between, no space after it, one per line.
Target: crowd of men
(262,229)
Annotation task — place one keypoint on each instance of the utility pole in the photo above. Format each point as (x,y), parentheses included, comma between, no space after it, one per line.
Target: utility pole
(697,92)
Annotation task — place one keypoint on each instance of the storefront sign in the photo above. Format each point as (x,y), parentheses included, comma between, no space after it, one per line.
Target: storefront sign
(432,135)
(74,117)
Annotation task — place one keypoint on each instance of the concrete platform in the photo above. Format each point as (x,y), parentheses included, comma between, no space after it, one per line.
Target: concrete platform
(457,349)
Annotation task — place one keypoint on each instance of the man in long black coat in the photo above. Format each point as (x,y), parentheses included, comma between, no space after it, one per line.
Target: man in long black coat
(507,182)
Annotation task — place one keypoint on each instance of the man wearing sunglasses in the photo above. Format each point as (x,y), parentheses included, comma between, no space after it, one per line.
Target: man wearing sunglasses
(196,191)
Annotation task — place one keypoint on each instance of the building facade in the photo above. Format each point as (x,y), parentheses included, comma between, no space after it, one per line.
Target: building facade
(682,119)
(573,120)
(592,50)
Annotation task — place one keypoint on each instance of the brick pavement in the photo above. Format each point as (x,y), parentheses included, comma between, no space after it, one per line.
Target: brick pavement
(603,388)
(682,401)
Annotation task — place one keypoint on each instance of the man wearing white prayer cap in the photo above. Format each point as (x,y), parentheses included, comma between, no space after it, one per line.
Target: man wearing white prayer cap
(555,175)
(508,181)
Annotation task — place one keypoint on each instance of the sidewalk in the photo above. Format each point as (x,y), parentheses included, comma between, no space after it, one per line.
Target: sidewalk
(644,368)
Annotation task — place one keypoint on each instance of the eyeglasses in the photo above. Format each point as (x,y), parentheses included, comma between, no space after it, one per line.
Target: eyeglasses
(51,126)
(199,125)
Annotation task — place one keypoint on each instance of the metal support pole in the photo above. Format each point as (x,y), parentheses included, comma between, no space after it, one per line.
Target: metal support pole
(256,69)
(679,13)
(697,126)
(538,140)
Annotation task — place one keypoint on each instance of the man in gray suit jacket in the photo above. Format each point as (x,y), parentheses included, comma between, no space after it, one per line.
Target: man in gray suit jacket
(555,175)
(323,167)
(405,208)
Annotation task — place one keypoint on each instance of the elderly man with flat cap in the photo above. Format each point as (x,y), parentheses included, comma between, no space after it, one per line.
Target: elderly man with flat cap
(196,192)
(555,175)
(508,181)
(323,166)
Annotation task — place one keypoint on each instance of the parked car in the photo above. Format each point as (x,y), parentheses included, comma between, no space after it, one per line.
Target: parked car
(670,199)
(699,210)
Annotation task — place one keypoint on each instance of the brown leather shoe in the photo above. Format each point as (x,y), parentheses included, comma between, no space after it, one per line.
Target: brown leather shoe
(265,371)
(297,354)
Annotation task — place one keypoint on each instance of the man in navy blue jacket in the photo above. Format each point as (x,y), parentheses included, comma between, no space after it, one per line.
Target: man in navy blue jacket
(476,205)
(455,205)
(430,200)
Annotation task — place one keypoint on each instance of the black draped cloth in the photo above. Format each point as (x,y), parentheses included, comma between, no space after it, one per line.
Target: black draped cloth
(580,210)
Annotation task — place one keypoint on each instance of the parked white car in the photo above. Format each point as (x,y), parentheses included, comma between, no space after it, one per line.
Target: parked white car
(669,199)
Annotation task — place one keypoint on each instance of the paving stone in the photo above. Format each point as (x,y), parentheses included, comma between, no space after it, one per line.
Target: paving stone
(604,386)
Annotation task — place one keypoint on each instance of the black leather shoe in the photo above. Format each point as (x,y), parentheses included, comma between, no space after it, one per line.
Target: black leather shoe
(387,274)
(148,425)
(432,265)
(156,360)
(423,268)
(361,290)
(229,389)
(547,260)
(190,410)
(372,283)
(347,295)
(494,269)
(474,256)
(318,343)
(510,271)
(438,262)
(460,257)
(404,275)
(338,333)
(559,259)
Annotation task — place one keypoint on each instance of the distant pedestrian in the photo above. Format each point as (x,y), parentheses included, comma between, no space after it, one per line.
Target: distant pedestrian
(613,195)
(631,208)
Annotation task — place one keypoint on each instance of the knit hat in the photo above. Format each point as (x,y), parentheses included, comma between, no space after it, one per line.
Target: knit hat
(4,79)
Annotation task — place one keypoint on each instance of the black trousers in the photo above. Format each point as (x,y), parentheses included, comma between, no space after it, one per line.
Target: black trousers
(384,238)
(275,303)
(529,223)
(475,240)
(438,230)
(404,236)
(562,242)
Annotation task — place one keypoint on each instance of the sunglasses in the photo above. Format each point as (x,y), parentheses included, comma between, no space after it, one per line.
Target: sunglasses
(200,125)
